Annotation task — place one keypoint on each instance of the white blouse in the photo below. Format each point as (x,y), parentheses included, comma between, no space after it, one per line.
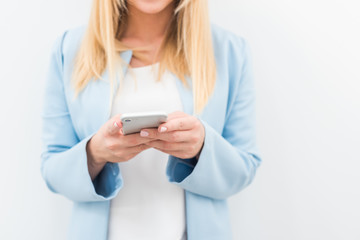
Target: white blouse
(148,207)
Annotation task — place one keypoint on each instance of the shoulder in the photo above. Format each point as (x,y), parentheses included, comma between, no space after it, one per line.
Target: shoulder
(233,60)
(222,35)
(228,42)
(65,49)
(73,38)
(68,42)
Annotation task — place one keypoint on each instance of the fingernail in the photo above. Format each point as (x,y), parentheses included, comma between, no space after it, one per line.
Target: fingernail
(121,131)
(144,133)
(115,124)
(163,129)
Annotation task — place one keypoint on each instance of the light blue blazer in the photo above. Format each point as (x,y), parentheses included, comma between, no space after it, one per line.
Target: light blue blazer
(227,163)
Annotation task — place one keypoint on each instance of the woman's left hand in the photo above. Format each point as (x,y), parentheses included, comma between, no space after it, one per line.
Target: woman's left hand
(181,136)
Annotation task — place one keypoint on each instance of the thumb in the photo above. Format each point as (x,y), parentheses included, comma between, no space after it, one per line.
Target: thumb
(114,126)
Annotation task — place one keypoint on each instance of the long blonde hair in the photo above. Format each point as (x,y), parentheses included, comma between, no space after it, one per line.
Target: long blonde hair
(186,51)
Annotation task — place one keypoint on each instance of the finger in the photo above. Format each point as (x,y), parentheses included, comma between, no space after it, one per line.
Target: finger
(168,146)
(139,148)
(133,151)
(176,114)
(174,136)
(178,124)
(114,125)
(133,140)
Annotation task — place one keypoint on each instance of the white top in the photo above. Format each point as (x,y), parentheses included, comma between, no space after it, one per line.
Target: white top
(148,206)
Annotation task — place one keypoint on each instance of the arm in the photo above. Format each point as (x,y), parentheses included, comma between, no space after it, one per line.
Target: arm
(64,164)
(227,161)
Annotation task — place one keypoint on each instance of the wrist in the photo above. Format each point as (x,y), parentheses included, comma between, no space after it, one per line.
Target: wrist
(93,157)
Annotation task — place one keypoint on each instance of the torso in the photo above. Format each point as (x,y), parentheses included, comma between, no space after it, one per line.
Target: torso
(148,206)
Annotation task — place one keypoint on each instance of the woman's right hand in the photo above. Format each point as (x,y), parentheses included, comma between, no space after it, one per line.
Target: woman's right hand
(110,145)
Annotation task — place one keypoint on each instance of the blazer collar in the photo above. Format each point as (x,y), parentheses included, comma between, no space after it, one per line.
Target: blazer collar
(126,56)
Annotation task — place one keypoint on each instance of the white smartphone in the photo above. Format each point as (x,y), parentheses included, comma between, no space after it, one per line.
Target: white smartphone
(134,122)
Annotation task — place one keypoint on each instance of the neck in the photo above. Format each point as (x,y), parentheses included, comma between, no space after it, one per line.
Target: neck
(147,28)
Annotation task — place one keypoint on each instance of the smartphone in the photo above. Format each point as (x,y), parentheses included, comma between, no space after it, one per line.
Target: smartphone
(134,122)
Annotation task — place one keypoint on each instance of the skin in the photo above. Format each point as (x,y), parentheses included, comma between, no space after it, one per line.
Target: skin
(147,24)
(181,136)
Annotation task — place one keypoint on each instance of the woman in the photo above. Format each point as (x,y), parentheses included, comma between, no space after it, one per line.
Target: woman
(165,183)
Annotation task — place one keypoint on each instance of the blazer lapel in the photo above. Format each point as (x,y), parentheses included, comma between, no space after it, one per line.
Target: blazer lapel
(91,108)
(186,95)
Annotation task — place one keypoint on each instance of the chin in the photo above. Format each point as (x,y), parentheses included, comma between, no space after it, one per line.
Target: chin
(150,6)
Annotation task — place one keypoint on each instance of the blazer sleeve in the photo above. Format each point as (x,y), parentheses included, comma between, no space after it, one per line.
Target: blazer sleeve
(64,159)
(228,160)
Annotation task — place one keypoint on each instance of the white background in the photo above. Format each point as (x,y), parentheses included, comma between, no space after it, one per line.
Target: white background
(306,59)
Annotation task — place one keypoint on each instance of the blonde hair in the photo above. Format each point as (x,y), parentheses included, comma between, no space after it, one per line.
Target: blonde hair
(186,51)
